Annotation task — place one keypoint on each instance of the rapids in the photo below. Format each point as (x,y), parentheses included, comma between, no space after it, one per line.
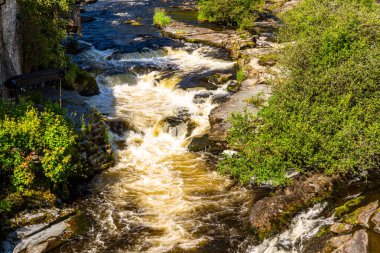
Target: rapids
(159,197)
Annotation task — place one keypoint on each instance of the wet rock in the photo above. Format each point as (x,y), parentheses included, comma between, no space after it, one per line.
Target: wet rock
(357,244)
(85,19)
(341,228)
(73,46)
(81,81)
(204,144)
(120,126)
(362,215)
(376,221)
(205,79)
(272,213)
(220,98)
(202,97)
(133,22)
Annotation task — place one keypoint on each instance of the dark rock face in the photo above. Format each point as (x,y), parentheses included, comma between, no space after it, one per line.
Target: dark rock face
(204,144)
(269,214)
(10,48)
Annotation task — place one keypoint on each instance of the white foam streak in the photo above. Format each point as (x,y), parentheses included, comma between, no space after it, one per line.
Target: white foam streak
(303,227)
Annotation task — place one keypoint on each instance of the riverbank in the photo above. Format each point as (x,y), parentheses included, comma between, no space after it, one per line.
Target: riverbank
(273,214)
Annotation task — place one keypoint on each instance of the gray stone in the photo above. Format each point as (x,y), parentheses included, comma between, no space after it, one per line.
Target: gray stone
(341,228)
(376,221)
(357,244)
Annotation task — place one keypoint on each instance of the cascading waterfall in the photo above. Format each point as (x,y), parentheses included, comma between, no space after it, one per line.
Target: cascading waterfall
(160,197)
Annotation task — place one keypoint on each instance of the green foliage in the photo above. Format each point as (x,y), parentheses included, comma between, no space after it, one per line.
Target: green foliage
(257,100)
(346,207)
(42,28)
(325,115)
(160,18)
(241,76)
(80,80)
(241,13)
(34,144)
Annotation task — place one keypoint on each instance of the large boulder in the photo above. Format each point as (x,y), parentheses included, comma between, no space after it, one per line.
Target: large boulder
(270,214)
(44,230)
(81,81)
(376,221)
(362,215)
(357,244)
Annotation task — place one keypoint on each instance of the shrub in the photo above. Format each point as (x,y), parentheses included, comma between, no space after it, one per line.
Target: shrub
(36,147)
(325,115)
(160,18)
(241,13)
(241,76)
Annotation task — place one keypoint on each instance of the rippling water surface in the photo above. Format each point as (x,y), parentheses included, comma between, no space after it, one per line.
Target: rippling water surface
(160,197)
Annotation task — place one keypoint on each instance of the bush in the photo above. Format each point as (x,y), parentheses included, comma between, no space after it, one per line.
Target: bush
(325,115)
(241,13)
(36,147)
(160,18)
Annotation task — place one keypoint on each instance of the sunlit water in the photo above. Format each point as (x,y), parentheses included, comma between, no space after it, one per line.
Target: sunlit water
(159,197)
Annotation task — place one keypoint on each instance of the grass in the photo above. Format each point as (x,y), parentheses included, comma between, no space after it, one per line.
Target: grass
(256,100)
(160,18)
(241,75)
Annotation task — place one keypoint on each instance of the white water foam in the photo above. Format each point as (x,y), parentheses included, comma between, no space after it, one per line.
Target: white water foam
(303,227)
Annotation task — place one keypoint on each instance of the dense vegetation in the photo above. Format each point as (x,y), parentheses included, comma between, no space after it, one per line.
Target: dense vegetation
(241,13)
(160,18)
(42,28)
(324,116)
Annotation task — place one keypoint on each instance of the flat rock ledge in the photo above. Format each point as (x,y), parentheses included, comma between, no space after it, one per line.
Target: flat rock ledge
(271,214)
(228,39)
(42,236)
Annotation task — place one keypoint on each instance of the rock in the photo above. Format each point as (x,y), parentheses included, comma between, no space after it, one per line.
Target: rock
(133,22)
(237,103)
(228,39)
(341,228)
(73,46)
(204,144)
(220,78)
(376,221)
(357,244)
(41,237)
(202,97)
(270,214)
(121,126)
(204,79)
(220,98)
(362,215)
(85,19)
(81,81)
(335,242)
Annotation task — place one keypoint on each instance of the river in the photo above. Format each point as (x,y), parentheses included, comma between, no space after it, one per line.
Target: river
(160,197)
